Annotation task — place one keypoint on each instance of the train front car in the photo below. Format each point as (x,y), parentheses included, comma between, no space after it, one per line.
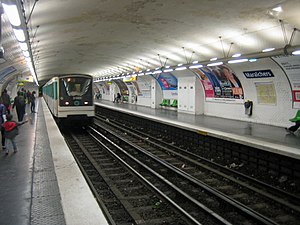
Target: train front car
(75,102)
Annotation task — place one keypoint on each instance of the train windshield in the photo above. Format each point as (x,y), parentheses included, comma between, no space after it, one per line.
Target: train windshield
(76,86)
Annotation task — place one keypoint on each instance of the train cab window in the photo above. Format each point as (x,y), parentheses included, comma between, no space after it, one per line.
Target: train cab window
(76,86)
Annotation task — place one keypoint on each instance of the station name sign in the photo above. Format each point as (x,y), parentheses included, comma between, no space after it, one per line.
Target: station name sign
(258,74)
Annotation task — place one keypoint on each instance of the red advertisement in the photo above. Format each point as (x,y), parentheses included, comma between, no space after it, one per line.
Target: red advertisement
(208,88)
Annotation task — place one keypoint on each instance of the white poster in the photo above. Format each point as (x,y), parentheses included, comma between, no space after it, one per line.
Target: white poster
(291,66)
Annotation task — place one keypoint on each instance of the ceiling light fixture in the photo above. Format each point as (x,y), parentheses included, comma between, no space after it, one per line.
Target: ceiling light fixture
(12,14)
(168,70)
(296,52)
(26,53)
(215,64)
(252,60)
(213,59)
(236,55)
(157,71)
(15,15)
(195,66)
(19,33)
(237,61)
(277,9)
(23,46)
(268,50)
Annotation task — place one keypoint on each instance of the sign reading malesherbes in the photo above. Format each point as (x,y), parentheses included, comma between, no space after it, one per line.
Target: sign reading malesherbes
(291,67)
(258,74)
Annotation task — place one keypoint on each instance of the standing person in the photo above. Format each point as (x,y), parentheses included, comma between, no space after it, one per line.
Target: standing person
(2,119)
(19,103)
(32,101)
(28,96)
(6,100)
(11,131)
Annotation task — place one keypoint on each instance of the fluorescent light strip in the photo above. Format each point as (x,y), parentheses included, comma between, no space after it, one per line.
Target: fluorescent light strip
(297,52)
(252,60)
(277,9)
(215,64)
(195,66)
(168,70)
(268,50)
(157,71)
(13,14)
(26,53)
(236,55)
(19,35)
(237,61)
(23,46)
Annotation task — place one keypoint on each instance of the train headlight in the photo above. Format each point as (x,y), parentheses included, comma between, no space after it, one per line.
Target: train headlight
(86,103)
(67,103)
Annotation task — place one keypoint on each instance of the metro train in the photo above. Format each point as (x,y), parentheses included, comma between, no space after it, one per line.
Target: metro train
(70,97)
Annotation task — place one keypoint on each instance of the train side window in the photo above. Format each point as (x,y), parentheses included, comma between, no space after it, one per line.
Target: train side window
(55,90)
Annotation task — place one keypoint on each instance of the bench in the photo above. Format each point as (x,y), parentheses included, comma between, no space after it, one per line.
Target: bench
(174,103)
(165,102)
(296,118)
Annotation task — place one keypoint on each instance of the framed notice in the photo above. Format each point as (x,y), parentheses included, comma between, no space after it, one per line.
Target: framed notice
(265,93)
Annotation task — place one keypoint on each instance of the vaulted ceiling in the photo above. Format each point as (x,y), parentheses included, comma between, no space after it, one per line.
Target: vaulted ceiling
(107,37)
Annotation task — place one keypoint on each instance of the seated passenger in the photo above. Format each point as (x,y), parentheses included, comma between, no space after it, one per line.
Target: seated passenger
(293,128)
(118,98)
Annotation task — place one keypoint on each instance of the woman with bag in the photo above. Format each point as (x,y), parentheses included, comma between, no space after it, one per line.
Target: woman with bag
(11,131)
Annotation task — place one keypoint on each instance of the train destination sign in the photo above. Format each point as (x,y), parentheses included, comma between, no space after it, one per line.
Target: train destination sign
(258,74)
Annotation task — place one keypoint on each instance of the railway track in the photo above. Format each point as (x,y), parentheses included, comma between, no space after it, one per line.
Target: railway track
(196,190)
(123,194)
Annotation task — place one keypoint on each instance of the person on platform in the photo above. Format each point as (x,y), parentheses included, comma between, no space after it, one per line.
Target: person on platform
(19,103)
(5,98)
(11,131)
(118,98)
(293,128)
(3,114)
(32,101)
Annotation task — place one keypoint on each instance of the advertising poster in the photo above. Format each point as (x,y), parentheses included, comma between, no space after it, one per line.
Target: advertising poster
(167,81)
(220,83)
(122,87)
(145,87)
(105,87)
(291,67)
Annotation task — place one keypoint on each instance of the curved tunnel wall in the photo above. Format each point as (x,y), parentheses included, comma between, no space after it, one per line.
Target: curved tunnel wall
(272,96)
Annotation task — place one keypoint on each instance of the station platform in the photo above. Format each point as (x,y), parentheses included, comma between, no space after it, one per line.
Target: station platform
(41,183)
(265,137)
